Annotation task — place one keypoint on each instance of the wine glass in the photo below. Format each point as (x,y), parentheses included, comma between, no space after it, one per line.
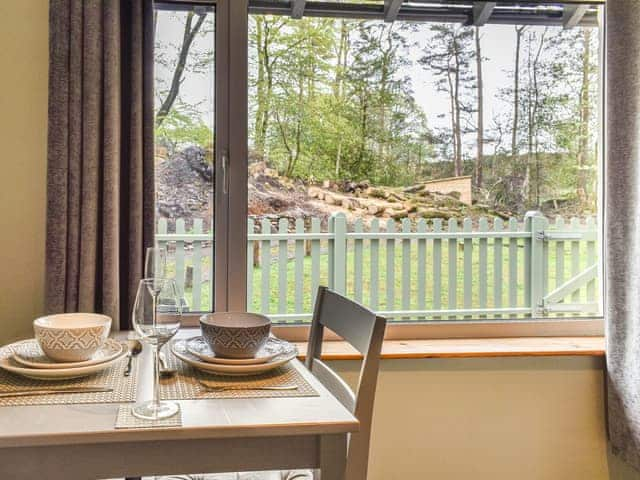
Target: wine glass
(155,263)
(156,318)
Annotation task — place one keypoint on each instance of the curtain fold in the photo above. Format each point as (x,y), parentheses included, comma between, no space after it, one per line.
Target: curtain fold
(622,229)
(100,183)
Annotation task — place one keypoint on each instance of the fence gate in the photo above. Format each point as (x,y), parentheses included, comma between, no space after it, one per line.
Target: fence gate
(578,293)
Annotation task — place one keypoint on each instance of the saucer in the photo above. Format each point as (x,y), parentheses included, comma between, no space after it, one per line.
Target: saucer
(271,349)
(29,354)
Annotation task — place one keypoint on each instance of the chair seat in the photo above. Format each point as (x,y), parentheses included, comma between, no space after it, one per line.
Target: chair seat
(270,475)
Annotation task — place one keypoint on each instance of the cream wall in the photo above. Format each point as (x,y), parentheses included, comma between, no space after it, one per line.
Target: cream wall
(492,418)
(498,419)
(23,136)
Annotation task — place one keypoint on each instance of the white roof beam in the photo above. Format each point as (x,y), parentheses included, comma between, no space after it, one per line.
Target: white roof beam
(572,14)
(297,8)
(482,12)
(391,9)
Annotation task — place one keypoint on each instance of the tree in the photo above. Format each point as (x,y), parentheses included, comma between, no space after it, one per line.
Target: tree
(190,32)
(480,106)
(449,55)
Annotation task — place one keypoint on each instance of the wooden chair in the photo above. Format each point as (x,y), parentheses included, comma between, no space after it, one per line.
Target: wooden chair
(364,330)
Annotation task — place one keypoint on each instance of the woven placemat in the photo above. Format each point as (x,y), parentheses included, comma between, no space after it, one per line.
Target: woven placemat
(186,384)
(126,419)
(124,388)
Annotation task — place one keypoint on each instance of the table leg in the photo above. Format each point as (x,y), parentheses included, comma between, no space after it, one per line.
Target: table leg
(333,456)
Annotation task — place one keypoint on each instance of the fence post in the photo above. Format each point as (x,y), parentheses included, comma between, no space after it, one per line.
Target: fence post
(536,224)
(338,253)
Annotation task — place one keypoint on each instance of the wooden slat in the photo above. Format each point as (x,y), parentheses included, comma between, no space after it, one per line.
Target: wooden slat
(283,227)
(250,254)
(357,262)
(575,258)
(315,260)
(391,266)
(437,266)
(483,276)
(545,265)
(528,259)
(452,250)
(299,268)
(391,9)
(421,266)
(196,265)
(513,265)
(374,261)
(406,265)
(297,8)
(498,226)
(591,259)
(467,271)
(179,274)
(572,14)
(265,265)
(560,277)
(482,12)
(339,257)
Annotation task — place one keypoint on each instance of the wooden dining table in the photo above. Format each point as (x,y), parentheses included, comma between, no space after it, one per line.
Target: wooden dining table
(79,441)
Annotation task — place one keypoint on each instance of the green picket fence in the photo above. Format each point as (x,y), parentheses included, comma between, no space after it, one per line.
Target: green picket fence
(407,270)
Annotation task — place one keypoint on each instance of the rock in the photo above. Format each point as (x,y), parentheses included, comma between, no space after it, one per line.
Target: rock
(348,203)
(374,209)
(330,199)
(314,192)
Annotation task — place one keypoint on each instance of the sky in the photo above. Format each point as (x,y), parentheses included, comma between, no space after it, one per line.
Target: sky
(498,48)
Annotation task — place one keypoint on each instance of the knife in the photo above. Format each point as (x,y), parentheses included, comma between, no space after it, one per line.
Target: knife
(54,390)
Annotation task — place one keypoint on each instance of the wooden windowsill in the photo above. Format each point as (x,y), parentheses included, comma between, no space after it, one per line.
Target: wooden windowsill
(470,347)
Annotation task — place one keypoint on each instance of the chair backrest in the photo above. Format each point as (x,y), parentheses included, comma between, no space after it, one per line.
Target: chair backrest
(364,330)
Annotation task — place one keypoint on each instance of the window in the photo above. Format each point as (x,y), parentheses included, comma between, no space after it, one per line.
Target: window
(427,167)
(185,147)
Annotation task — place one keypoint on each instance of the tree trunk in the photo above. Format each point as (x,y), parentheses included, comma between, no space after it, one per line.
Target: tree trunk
(176,80)
(516,106)
(458,122)
(341,65)
(452,101)
(516,97)
(583,138)
(480,142)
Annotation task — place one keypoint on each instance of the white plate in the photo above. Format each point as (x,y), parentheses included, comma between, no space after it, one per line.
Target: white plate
(180,350)
(271,349)
(7,363)
(29,354)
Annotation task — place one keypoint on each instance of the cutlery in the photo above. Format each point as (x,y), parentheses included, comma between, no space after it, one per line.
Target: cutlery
(54,390)
(165,370)
(214,388)
(135,348)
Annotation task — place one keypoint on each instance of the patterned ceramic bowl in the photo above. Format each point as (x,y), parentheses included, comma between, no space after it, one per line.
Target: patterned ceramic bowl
(71,337)
(235,334)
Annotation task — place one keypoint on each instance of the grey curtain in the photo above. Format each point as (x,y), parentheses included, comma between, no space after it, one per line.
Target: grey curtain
(100,199)
(622,229)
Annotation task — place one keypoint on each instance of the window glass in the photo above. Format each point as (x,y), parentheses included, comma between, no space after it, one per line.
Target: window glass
(185,145)
(431,171)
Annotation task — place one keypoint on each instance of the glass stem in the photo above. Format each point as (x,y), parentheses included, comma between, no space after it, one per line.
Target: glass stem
(154,301)
(156,374)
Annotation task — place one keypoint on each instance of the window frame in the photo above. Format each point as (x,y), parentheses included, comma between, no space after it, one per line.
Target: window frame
(230,267)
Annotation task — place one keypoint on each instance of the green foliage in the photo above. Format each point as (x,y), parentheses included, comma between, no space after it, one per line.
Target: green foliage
(333,99)
(330,102)
(182,127)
